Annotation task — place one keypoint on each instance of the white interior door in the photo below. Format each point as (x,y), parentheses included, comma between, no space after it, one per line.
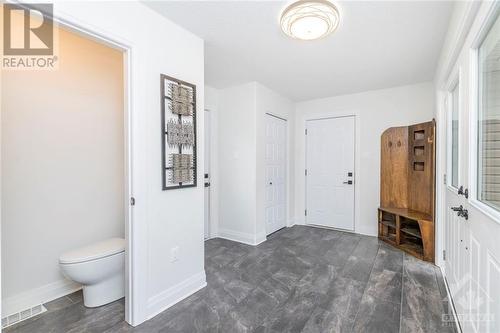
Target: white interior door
(330,172)
(275,161)
(207,174)
(472,246)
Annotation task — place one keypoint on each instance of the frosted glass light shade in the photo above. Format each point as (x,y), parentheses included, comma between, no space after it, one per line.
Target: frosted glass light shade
(310,19)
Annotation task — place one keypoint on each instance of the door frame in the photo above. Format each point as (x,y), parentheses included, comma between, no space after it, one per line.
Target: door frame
(357,170)
(213,225)
(132,311)
(208,232)
(288,223)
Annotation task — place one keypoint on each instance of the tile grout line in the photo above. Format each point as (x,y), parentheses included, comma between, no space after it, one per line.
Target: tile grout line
(350,253)
(402,292)
(366,287)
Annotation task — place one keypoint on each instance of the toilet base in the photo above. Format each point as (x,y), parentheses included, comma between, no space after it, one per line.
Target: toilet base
(105,292)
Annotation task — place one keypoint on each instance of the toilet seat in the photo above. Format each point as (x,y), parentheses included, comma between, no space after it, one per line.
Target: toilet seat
(94,251)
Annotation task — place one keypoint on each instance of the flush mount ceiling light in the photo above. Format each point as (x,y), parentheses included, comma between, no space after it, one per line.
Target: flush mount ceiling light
(310,19)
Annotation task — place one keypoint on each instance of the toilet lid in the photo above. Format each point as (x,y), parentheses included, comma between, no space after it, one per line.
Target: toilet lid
(94,251)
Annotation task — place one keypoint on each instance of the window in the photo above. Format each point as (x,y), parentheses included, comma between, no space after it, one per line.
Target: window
(488,190)
(454,116)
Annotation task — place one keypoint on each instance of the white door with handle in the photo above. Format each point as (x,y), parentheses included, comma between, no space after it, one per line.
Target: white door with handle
(206,175)
(471,195)
(275,177)
(330,145)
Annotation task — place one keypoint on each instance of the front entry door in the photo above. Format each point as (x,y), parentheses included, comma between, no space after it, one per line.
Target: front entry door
(275,204)
(472,190)
(330,172)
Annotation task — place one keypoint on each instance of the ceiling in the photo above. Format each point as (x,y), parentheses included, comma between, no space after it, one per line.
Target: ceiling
(379,44)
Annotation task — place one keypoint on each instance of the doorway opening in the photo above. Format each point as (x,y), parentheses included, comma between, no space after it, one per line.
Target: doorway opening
(73,134)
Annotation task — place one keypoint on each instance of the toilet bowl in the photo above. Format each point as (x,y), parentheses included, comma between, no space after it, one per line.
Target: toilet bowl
(99,268)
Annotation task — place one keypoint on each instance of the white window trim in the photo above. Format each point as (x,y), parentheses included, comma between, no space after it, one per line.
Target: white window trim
(454,81)
(489,211)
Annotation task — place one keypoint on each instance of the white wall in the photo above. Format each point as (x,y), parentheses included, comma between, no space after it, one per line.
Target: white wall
(161,219)
(62,165)
(375,111)
(237,138)
(241,124)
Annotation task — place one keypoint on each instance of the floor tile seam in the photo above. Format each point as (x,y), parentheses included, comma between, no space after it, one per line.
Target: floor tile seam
(349,255)
(402,292)
(364,290)
(386,300)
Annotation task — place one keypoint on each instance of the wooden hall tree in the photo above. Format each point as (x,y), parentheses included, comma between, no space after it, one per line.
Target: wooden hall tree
(407,189)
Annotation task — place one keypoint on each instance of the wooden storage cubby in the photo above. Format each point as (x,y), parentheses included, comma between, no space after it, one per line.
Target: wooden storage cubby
(406,212)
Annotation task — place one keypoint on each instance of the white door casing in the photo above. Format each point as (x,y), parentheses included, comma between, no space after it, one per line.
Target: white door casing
(275,173)
(330,148)
(206,174)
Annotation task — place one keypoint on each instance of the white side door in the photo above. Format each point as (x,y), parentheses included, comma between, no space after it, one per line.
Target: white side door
(472,243)
(275,150)
(207,174)
(330,172)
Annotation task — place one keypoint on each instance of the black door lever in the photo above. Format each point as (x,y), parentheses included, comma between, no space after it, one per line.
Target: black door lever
(463,192)
(464,213)
(461,211)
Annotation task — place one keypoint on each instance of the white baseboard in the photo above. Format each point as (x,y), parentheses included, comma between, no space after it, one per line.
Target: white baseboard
(37,296)
(241,237)
(260,238)
(450,299)
(298,221)
(175,294)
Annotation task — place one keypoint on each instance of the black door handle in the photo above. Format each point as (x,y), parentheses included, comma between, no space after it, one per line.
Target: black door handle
(349,182)
(463,192)
(464,213)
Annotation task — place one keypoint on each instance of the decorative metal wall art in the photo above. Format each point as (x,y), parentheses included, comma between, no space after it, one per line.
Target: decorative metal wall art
(178,115)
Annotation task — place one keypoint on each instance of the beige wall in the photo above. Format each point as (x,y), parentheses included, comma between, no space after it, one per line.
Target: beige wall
(62,162)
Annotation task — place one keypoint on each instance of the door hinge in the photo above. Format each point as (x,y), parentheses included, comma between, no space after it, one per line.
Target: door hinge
(306,131)
(132,201)
(305,212)
(444,254)
(306,172)
(444,179)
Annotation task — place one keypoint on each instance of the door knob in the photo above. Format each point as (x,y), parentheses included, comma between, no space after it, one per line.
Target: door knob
(270,183)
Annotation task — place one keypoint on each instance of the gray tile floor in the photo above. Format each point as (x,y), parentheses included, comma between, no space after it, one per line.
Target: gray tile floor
(302,279)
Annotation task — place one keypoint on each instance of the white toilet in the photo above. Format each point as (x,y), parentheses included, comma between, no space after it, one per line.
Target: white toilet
(99,268)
